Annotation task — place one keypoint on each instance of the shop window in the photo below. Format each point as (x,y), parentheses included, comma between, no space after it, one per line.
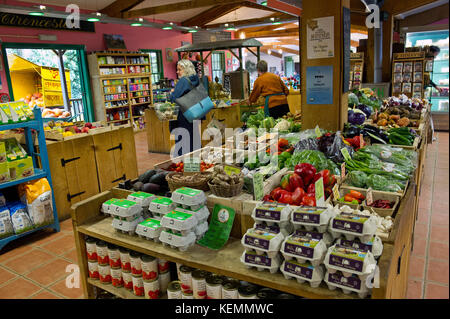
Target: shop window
(156,64)
(218,65)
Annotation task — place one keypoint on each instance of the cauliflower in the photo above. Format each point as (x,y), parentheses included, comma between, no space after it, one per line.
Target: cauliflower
(283,125)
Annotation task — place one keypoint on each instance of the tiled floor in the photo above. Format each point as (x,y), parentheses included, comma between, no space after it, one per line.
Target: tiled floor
(35,266)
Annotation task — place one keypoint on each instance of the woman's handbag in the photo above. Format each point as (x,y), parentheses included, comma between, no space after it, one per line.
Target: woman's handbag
(196,103)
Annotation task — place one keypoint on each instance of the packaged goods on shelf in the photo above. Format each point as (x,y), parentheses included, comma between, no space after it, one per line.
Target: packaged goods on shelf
(347,284)
(18,164)
(37,195)
(303,272)
(326,237)
(127,226)
(161,206)
(374,245)
(177,240)
(149,229)
(313,218)
(272,213)
(6,226)
(189,198)
(304,249)
(21,221)
(352,225)
(263,241)
(143,199)
(261,262)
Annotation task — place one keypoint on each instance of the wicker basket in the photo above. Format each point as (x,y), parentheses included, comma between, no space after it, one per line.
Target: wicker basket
(201,184)
(226,191)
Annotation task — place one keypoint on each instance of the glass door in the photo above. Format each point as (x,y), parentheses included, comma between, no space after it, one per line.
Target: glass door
(218,65)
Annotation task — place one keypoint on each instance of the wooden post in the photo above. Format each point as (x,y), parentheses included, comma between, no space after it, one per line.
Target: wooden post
(241,70)
(62,76)
(388,31)
(328,116)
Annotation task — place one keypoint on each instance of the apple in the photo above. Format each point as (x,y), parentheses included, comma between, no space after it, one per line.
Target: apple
(89,125)
(77,130)
(85,130)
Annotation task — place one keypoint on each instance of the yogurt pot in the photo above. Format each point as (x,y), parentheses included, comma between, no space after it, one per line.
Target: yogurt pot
(125,259)
(125,208)
(174,290)
(230,289)
(182,223)
(142,198)
(116,277)
(325,237)
(149,229)
(347,284)
(199,283)
(272,214)
(107,205)
(353,225)
(163,266)
(93,270)
(161,206)
(151,289)
(128,227)
(261,262)
(312,218)
(374,245)
(114,256)
(248,291)
(189,197)
(302,272)
(201,213)
(201,229)
(138,286)
(186,278)
(127,278)
(164,280)
(302,249)
(214,287)
(104,272)
(91,249)
(168,237)
(350,261)
(102,252)
(135,261)
(263,241)
(149,265)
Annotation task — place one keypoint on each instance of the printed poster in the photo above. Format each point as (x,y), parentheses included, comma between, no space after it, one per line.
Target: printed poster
(319,84)
(320,38)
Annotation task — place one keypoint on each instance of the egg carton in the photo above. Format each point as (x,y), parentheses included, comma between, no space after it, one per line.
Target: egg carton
(129,218)
(178,241)
(350,261)
(179,222)
(347,284)
(192,198)
(326,237)
(302,272)
(107,205)
(261,262)
(161,206)
(304,249)
(149,229)
(286,231)
(353,226)
(374,245)
(201,229)
(124,208)
(126,226)
(272,214)
(262,241)
(142,198)
(191,207)
(312,218)
(201,213)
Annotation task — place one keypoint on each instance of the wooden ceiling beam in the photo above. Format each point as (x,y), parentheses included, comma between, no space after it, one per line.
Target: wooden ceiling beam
(277,49)
(426,17)
(283,42)
(395,7)
(269,34)
(265,20)
(272,52)
(212,14)
(116,8)
(180,6)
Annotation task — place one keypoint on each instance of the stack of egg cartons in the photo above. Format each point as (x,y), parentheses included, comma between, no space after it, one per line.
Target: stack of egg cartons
(151,228)
(126,214)
(187,223)
(262,242)
(350,262)
(144,200)
(305,249)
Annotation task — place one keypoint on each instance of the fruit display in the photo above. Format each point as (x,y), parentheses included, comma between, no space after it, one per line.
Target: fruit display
(179,167)
(59,130)
(166,111)
(55,113)
(34,99)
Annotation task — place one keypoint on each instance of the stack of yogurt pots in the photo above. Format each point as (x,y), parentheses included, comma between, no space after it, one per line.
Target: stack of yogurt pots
(186,223)
(263,242)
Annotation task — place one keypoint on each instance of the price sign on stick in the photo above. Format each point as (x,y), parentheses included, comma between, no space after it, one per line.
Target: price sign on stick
(229,170)
(192,165)
(342,171)
(346,154)
(369,197)
(258,186)
(318,133)
(336,192)
(320,195)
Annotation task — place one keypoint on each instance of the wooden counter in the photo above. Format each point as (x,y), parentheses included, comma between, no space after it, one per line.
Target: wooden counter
(295,101)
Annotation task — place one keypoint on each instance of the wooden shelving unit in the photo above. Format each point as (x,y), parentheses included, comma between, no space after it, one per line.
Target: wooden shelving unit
(356,70)
(131,85)
(408,74)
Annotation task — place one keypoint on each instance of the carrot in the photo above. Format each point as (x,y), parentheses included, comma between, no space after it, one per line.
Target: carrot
(356,194)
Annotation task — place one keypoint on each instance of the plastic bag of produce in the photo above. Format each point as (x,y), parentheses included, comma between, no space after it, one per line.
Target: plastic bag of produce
(377,182)
(306,144)
(331,146)
(37,195)
(357,179)
(395,155)
(6,227)
(19,216)
(166,111)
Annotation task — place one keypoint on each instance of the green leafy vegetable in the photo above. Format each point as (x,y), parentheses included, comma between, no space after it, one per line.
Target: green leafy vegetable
(357,179)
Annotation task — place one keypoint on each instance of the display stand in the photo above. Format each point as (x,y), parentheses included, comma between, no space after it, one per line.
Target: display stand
(356,70)
(43,172)
(408,74)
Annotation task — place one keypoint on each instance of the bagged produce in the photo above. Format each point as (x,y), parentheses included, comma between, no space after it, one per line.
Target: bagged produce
(6,227)
(37,195)
(331,145)
(357,179)
(19,216)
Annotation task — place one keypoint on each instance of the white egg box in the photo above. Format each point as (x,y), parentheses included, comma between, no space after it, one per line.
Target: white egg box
(368,266)
(201,229)
(143,199)
(106,206)
(129,218)
(260,245)
(311,227)
(374,245)
(148,233)
(301,219)
(285,231)
(264,213)
(161,209)
(256,261)
(182,227)
(191,207)
(326,237)
(126,227)
(347,284)
(120,211)
(190,201)
(369,228)
(301,252)
(201,213)
(303,272)
(177,241)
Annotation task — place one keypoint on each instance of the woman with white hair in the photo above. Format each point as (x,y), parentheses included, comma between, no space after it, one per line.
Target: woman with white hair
(188,79)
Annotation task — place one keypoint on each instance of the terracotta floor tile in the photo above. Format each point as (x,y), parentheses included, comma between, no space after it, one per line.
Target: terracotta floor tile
(438,251)
(419,247)
(49,273)
(433,291)
(12,250)
(45,294)
(416,267)
(423,217)
(421,230)
(438,271)
(414,290)
(71,255)
(438,219)
(18,289)
(61,288)
(44,237)
(29,261)
(66,225)
(439,233)
(5,275)
(439,207)
(61,245)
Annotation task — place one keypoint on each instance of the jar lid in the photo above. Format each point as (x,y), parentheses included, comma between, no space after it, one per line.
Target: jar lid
(147,258)
(285,296)
(111,246)
(200,274)
(266,293)
(124,250)
(134,254)
(101,243)
(214,280)
(188,269)
(230,284)
(248,290)
(91,240)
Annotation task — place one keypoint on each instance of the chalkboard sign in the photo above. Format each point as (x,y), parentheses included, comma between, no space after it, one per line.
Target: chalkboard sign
(226,82)
(346,48)
(206,36)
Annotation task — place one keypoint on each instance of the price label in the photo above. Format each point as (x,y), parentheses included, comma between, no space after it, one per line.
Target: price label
(230,170)
(361,141)
(320,195)
(258,186)
(192,165)
(342,171)
(346,154)
(336,192)
(369,197)
(318,133)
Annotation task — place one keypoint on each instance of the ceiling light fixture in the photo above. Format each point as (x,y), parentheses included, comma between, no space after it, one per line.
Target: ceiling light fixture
(192,31)
(96,18)
(36,13)
(269,52)
(167,28)
(242,36)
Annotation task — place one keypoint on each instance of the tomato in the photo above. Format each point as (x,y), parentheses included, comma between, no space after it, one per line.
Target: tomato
(309,201)
(298,195)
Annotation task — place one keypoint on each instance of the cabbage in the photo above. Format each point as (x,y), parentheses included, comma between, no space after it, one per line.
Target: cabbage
(283,125)
(356,117)
(352,100)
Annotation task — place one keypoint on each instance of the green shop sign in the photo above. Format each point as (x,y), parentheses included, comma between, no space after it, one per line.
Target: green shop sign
(41,22)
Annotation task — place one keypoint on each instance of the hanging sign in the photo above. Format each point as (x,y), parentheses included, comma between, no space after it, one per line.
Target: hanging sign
(320,38)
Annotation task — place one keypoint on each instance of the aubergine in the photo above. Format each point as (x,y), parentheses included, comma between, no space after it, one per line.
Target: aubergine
(137,186)
(145,178)
(150,188)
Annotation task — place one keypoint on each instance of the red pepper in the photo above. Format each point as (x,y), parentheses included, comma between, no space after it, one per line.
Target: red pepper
(297,196)
(283,143)
(286,198)
(326,177)
(309,201)
(267,198)
(306,171)
(285,183)
(276,193)
(296,181)
(311,188)
(316,177)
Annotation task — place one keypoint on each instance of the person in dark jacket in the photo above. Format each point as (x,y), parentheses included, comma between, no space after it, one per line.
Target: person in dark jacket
(186,72)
